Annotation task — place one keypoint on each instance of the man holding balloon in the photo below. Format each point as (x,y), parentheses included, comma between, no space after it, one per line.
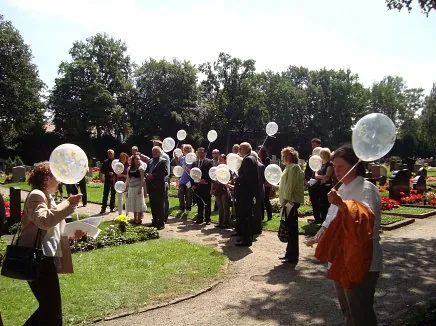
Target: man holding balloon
(202,187)
(107,176)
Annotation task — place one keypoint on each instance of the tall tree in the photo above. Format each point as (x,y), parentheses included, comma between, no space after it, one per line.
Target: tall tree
(428,119)
(232,90)
(21,108)
(426,5)
(94,89)
(166,98)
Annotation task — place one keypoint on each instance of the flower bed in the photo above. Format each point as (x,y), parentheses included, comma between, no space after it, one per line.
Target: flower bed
(389,219)
(412,212)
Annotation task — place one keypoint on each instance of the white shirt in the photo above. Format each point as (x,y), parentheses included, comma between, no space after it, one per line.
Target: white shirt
(51,242)
(366,193)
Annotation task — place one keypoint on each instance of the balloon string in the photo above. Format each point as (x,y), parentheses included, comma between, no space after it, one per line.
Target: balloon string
(264,142)
(208,146)
(77,211)
(199,198)
(349,171)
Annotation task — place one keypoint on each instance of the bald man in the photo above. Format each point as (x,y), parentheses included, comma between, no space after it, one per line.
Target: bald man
(107,176)
(156,175)
(247,191)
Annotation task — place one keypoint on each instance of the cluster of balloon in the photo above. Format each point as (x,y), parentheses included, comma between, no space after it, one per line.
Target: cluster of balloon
(195,174)
(68,163)
(373,137)
(181,134)
(273,172)
(168,144)
(190,158)
(222,174)
(177,153)
(212,172)
(120,187)
(178,171)
(212,135)
(271,128)
(234,162)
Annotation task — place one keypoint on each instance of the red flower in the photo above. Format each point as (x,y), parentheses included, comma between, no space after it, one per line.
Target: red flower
(388,204)
(7,205)
(402,194)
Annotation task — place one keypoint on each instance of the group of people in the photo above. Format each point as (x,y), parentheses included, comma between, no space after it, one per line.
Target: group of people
(355,206)
(143,176)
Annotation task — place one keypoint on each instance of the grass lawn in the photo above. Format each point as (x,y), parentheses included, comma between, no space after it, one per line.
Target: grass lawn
(412,210)
(109,280)
(389,219)
(304,228)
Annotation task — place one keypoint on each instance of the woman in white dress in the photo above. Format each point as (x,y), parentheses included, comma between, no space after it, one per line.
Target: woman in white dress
(137,189)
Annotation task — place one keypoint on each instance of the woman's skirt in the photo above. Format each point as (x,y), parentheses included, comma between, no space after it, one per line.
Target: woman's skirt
(135,202)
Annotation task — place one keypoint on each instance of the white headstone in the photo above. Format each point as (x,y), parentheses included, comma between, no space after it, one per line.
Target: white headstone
(18,174)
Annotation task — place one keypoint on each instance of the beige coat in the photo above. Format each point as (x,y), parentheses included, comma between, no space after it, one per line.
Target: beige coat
(39,214)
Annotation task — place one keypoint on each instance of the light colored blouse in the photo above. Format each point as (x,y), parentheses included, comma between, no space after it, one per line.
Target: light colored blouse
(291,187)
(366,193)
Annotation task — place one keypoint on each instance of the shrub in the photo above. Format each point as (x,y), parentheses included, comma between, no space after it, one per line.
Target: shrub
(3,244)
(114,237)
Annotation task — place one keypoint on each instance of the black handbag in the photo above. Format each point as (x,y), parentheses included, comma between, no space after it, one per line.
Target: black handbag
(22,263)
(283,233)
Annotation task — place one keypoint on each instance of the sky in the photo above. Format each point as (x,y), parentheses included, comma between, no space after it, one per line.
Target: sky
(358,34)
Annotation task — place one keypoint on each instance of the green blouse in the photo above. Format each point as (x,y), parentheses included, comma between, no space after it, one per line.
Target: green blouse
(291,187)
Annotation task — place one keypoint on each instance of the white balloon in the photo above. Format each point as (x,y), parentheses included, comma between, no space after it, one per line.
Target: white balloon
(234,162)
(115,161)
(195,174)
(223,175)
(178,171)
(212,173)
(119,168)
(120,187)
(373,137)
(273,173)
(271,128)
(68,163)
(177,152)
(168,144)
(190,158)
(315,162)
(212,135)
(223,166)
(181,134)
(316,151)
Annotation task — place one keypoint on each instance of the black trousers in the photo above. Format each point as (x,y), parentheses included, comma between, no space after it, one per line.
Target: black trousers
(267,203)
(82,185)
(204,209)
(108,187)
(244,217)
(292,249)
(157,205)
(48,293)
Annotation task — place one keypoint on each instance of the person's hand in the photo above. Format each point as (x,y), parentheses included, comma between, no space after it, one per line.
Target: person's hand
(139,192)
(193,188)
(310,241)
(334,198)
(74,199)
(149,176)
(111,173)
(202,182)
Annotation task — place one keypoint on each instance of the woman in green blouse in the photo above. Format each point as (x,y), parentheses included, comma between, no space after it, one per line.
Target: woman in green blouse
(291,196)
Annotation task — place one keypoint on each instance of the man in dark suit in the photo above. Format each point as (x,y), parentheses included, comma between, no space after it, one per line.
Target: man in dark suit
(203,187)
(156,174)
(107,176)
(247,192)
(313,188)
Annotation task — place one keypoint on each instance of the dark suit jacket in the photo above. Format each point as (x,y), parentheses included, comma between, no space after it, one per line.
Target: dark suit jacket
(247,182)
(205,167)
(159,172)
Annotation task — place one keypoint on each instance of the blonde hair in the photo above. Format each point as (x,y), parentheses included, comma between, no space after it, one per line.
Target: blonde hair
(188,147)
(290,152)
(325,153)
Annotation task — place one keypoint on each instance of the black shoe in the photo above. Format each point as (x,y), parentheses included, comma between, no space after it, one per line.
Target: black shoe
(161,227)
(150,225)
(236,234)
(283,258)
(103,210)
(207,222)
(198,222)
(112,210)
(243,244)
(288,261)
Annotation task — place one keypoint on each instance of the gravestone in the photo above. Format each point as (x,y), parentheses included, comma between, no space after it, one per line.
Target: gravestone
(416,168)
(18,174)
(397,166)
(15,202)
(383,175)
(410,162)
(375,171)
(419,184)
(399,182)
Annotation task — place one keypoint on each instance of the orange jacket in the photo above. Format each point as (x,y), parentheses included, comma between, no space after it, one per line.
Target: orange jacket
(347,244)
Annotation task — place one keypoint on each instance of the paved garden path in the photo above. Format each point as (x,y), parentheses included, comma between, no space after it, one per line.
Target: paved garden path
(259,290)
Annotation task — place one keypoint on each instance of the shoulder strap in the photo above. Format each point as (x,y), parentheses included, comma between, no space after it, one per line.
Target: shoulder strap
(18,233)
